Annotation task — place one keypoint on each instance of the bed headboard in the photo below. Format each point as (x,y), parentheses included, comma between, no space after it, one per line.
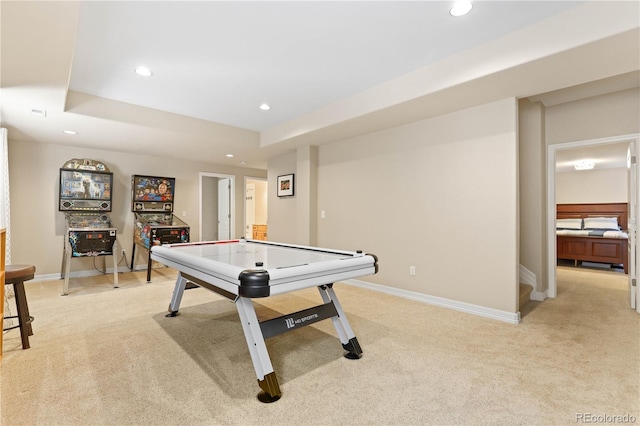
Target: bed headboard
(619,210)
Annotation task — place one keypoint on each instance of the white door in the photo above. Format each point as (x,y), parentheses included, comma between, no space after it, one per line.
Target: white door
(250,209)
(216,209)
(634,295)
(224,209)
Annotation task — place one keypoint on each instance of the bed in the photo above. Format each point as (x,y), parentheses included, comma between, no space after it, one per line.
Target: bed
(593,233)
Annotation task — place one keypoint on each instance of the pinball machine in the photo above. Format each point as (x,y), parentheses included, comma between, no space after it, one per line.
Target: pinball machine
(86,190)
(155,224)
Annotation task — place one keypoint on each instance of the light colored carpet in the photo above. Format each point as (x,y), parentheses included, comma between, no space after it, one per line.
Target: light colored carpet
(103,356)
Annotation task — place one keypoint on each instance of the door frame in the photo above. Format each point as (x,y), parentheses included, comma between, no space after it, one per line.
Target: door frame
(552,285)
(224,200)
(232,207)
(634,196)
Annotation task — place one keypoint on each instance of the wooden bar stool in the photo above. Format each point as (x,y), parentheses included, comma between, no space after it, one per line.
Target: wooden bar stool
(17,275)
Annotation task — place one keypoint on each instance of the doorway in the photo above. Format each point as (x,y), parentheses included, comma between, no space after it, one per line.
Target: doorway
(255,208)
(216,206)
(552,151)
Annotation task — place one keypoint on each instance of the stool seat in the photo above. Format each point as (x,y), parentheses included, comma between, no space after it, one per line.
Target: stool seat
(17,275)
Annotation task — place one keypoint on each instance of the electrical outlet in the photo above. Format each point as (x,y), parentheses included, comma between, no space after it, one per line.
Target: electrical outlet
(412,270)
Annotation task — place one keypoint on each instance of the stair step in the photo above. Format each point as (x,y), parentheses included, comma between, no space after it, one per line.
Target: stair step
(525,291)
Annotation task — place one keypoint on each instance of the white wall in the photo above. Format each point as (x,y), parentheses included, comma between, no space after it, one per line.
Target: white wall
(282,211)
(595,117)
(38,227)
(601,116)
(438,194)
(533,193)
(261,205)
(592,186)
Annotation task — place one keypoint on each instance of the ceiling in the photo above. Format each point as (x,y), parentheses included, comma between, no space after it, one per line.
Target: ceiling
(219,61)
(329,70)
(604,156)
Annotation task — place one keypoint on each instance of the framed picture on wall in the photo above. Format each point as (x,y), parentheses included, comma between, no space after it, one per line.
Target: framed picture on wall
(285,185)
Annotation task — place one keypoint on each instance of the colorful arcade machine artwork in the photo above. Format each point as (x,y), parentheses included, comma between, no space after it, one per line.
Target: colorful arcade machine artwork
(155,224)
(86,188)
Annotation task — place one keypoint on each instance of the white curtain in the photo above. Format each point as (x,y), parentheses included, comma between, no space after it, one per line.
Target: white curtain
(5,216)
(5,220)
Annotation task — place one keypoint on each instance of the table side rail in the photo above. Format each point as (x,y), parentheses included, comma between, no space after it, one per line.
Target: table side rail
(310,248)
(164,253)
(314,281)
(283,273)
(209,277)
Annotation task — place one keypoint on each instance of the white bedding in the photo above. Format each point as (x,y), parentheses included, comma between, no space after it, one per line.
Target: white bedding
(592,233)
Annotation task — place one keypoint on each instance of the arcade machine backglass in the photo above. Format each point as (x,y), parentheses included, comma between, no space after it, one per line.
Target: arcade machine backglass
(86,188)
(155,224)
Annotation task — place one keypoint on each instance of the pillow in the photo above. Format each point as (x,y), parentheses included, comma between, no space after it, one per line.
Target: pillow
(601,223)
(569,223)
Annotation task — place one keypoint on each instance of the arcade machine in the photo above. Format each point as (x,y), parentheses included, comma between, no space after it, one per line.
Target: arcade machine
(155,224)
(85,198)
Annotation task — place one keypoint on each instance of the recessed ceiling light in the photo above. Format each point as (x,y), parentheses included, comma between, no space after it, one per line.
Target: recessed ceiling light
(265,107)
(70,132)
(584,165)
(461,7)
(229,155)
(143,71)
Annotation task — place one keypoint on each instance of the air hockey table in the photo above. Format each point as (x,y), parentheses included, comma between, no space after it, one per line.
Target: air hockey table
(242,270)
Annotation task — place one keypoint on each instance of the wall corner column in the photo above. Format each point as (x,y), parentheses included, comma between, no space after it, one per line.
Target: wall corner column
(306,191)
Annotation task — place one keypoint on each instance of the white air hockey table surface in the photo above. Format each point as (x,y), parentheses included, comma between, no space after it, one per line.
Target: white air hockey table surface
(242,270)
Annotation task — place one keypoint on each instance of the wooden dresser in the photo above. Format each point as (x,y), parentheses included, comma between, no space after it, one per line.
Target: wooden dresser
(259,232)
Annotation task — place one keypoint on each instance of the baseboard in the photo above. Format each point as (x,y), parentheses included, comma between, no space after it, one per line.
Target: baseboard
(482,311)
(82,274)
(538,296)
